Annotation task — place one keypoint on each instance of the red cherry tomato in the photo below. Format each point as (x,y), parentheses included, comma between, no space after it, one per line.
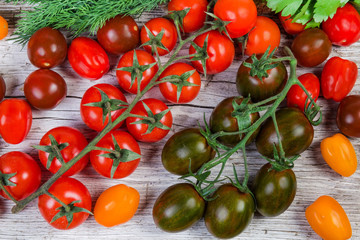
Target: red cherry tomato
(26,174)
(119,34)
(77,142)
(186,93)
(15,120)
(104,165)
(289,26)
(45,89)
(67,190)
(220,49)
(265,33)
(88,58)
(93,115)
(296,97)
(338,78)
(156,25)
(47,48)
(195,18)
(344,28)
(140,130)
(242,15)
(124,78)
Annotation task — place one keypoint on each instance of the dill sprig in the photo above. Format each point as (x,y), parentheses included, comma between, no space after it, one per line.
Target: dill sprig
(76,16)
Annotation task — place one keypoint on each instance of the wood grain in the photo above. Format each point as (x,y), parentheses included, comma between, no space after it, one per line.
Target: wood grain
(314,177)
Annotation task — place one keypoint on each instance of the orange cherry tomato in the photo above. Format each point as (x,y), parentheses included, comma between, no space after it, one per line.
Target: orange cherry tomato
(116,205)
(3,28)
(328,219)
(289,26)
(339,154)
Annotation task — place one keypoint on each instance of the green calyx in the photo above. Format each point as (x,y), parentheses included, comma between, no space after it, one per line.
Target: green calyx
(242,113)
(178,17)
(107,105)
(280,162)
(259,67)
(5,179)
(68,211)
(180,81)
(219,24)
(119,155)
(155,41)
(201,53)
(54,150)
(152,120)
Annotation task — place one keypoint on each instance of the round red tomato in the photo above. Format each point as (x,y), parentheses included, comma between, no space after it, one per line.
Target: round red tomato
(119,34)
(124,77)
(156,25)
(15,120)
(72,193)
(265,33)
(47,48)
(88,58)
(45,89)
(195,18)
(184,91)
(157,123)
(24,174)
(220,50)
(242,15)
(289,26)
(93,115)
(296,97)
(117,166)
(77,142)
(344,28)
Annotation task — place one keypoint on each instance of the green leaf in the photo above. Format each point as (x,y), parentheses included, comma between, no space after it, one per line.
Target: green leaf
(288,6)
(326,8)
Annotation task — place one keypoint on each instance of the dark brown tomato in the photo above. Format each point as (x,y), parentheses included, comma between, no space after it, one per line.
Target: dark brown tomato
(229,213)
(348,116)
(188,144)
(178,208)
(260,89)
(45,89)
(2,88)
(222,119)
(311,47)
(119,35)
(47,48)
(296,133)
(274,191)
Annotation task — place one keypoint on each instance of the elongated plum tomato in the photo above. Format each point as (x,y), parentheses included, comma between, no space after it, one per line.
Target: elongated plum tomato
(47,48)
(45,89)
(229,213)
(119,34)
(116,205)
(178,208)
(76,143)
(184,91)
(339,154)
(15,120)
(88,58)
(274,191)
(119,166)
(72,193)
(241,14)
(328,219)
(296,97)
(156,25)
(195,18)
(93,115)
(343,28)
(348,116)
(289,26)
(124,77)
(265,34)
(220,50)
(24,174)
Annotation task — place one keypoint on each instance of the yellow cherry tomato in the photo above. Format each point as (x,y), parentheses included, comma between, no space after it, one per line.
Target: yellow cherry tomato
(328,219)
(339,154)
(3,28)
(116,205)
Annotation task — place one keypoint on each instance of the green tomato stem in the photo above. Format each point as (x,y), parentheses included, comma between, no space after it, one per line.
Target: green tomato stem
(7,193)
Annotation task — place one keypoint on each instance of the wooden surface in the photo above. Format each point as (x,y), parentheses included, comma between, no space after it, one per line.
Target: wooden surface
(314,177)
